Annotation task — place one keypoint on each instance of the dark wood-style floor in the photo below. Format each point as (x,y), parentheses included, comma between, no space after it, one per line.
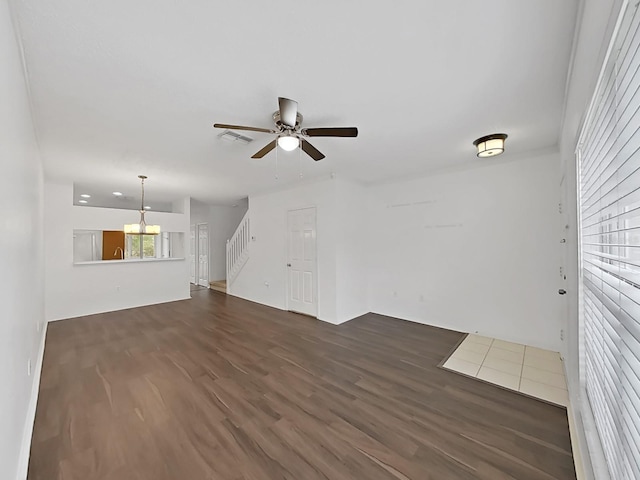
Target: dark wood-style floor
(220,388)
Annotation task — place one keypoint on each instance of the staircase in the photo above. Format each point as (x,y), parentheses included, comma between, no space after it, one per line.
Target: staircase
(238,250)
(219,286)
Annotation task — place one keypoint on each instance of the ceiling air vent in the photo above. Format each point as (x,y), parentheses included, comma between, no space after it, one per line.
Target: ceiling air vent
(235,137)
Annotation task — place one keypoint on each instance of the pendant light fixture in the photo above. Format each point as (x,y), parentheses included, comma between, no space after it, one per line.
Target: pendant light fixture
(141,228)
(490,145)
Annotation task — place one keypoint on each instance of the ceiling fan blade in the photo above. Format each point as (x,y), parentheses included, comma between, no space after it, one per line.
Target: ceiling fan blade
(310,150)
(261,153)
(330,132)
(242,127)
(288,111)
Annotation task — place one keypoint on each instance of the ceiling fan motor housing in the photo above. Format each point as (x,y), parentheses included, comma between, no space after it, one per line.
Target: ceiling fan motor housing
(282,126)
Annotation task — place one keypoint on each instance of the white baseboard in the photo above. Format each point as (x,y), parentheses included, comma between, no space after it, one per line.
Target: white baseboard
(576,444)
(25,450)
(118,308)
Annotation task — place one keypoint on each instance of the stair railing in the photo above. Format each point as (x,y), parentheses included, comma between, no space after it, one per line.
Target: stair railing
(238,250)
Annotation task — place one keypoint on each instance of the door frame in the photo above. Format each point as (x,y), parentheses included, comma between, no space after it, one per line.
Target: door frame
(198,225)
(563,210)
(194,253)
(288,254)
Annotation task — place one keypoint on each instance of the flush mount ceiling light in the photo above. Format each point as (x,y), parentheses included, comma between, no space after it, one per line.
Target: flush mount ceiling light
(141,228)
(288,142)
(85,195)
(82,201)
(117,194)
(490,145)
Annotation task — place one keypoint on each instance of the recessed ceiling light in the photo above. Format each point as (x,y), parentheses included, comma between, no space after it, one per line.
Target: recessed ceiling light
(82,201)
(117,194)
(85,195)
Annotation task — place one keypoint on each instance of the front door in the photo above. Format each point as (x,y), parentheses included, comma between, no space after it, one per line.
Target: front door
(203,255)
(301,263)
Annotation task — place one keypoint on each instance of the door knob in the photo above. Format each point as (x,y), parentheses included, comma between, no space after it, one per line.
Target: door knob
(562,291)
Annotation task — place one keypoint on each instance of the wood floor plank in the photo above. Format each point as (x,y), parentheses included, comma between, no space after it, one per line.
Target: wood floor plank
(220,388)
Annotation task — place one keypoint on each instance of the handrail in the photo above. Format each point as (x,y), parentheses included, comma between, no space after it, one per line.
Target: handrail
(238,250)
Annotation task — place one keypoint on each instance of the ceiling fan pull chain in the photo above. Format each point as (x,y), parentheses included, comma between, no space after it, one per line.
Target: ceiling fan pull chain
(300,159)
(277,163)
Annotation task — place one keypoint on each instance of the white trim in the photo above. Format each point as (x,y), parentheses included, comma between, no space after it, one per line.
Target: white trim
(207,282)
(594,98)
(593,444)
(25,72)
(588,456)
(122,307)
(25,450)
(576,445)
(130,260)
(572,64)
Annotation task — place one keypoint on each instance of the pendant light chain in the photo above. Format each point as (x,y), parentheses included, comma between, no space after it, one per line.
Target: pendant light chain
(143,223)
(141,228)
(142,187)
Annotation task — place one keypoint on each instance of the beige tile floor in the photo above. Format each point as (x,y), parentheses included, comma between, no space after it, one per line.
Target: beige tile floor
(525,369)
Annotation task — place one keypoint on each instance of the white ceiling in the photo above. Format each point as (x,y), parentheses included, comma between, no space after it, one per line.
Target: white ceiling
(123,87)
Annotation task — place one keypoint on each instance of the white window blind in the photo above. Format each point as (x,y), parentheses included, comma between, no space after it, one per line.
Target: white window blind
(609,183)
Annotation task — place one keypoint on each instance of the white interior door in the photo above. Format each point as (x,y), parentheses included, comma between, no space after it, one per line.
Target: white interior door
(203,255)
(193,252)
(301,263)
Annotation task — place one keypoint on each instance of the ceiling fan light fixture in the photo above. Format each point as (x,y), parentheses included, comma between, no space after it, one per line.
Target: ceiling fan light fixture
(288,142)
(490,145)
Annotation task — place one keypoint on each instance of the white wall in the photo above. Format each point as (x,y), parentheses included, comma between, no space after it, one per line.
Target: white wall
(341,248)
(352,247)
(263,278)
(21,258)
(199,212)
(222,221)
(474,251)
(77,290)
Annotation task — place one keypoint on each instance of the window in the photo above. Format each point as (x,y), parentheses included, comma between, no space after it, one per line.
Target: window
(140,246)
(148,246)
(609,196)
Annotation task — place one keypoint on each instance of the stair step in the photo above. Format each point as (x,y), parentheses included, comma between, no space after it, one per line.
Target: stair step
(219,285)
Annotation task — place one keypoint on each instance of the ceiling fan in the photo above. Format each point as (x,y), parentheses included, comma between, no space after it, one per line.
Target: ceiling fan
(289,132)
